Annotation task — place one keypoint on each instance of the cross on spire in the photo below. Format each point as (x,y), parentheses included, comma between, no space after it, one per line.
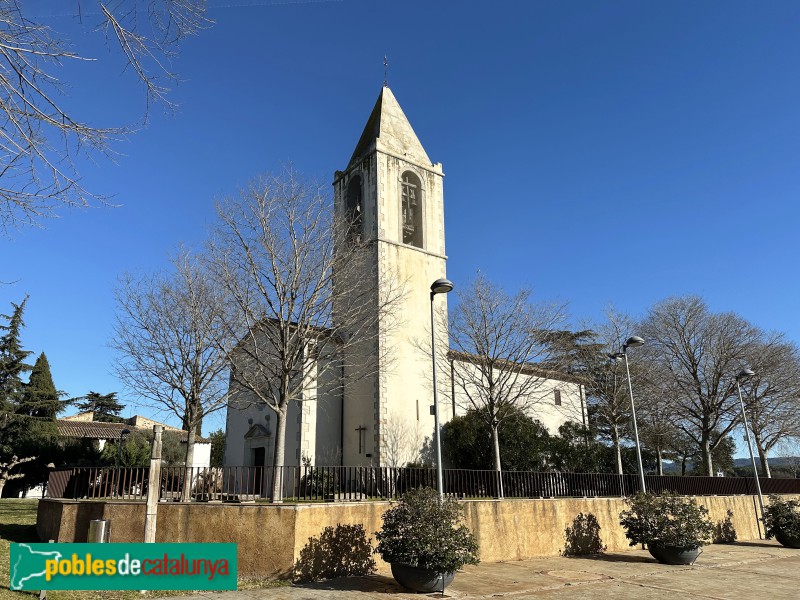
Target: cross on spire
(385,71)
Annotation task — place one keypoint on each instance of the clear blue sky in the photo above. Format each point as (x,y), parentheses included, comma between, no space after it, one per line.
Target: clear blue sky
(600,152)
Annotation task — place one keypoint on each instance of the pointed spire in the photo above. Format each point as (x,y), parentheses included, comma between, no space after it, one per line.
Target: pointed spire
(389,130)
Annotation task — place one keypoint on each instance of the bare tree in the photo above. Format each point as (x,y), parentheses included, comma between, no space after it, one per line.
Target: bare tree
(657,429)
(696,352)
(496,341)
(657,414)
(172,341)
(788,449)
(40,138)
(6,467)
(308,297)
(606,387)
(772,395)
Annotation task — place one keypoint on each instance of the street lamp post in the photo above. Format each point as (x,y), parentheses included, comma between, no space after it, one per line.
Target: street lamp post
(746,374)
(633,341)
(440,286)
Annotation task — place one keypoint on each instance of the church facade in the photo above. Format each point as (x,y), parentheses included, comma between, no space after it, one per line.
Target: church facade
(391,195)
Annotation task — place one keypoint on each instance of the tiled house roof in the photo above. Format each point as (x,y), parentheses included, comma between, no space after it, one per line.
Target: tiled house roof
(90,429)
(95,430)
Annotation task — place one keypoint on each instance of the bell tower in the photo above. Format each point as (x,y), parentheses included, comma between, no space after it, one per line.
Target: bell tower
(391,196)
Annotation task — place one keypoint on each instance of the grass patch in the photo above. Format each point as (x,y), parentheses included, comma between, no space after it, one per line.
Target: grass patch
(18,524)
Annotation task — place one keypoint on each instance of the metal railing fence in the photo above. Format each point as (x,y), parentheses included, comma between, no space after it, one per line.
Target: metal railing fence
(335,484)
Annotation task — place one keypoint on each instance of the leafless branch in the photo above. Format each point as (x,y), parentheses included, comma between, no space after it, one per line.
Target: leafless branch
(172,341)
(694,354)
(772,396)
(40,140)
(308,298)
(505,336)
(6,468)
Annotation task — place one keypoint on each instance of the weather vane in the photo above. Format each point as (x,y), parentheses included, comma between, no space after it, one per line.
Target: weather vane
(385,71)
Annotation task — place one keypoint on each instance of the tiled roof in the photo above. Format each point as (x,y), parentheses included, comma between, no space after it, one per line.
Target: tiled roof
(94,430)
(90,429)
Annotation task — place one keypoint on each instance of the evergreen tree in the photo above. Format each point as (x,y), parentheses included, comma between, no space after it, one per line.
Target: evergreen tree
(40,398)
(12,359)
(12,366)
(36,432)
(27,410)
(467,442)
(106,407)
(217,448)
(570,350)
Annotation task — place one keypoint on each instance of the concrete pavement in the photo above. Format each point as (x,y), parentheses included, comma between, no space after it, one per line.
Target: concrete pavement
(745,570)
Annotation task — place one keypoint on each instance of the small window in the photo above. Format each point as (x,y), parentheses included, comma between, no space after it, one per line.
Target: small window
(411,206)
(557,395)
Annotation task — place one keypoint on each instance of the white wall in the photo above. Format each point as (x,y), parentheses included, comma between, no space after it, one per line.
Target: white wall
(313,426)
(539,402)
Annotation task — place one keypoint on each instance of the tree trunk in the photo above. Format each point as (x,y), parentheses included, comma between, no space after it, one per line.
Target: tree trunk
(708,463)
(188,425)
(2,485)
(762,455)
(280,450)
(660,462)
(190,475)
(497,467)
(191,415)
(617,449)
(683,466)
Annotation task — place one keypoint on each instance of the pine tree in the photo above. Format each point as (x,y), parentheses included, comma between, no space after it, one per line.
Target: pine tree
(36,429)
(27,410)
(40,398)
(12,359)
(12,366)
(106,407)
(569,350)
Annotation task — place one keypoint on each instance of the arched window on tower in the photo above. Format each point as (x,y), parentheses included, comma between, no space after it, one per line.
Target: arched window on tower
(353,211)
(411,206)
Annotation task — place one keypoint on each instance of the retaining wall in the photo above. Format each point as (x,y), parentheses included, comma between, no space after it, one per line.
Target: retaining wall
(270,537)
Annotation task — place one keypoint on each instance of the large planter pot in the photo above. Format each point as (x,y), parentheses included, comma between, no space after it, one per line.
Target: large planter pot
(790,541)
(421,580)
(674,555)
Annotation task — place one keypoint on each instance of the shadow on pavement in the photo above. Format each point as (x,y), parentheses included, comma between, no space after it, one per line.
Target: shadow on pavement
(379,584)
(610,557)
(764,544)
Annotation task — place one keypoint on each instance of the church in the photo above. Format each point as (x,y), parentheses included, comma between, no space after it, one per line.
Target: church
(393,194)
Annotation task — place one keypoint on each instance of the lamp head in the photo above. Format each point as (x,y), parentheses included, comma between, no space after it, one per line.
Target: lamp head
(745,374)
(634,340)
(441,286)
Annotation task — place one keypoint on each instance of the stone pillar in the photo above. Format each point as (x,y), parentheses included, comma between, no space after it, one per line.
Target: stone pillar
(153,486)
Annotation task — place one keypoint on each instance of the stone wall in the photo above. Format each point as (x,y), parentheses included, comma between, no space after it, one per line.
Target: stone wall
(271,537)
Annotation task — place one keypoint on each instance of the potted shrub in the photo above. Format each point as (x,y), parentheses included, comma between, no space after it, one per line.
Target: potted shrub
(425,541)
(782,521)
(672,526)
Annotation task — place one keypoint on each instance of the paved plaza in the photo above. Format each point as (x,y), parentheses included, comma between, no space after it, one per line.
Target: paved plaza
(745,570)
